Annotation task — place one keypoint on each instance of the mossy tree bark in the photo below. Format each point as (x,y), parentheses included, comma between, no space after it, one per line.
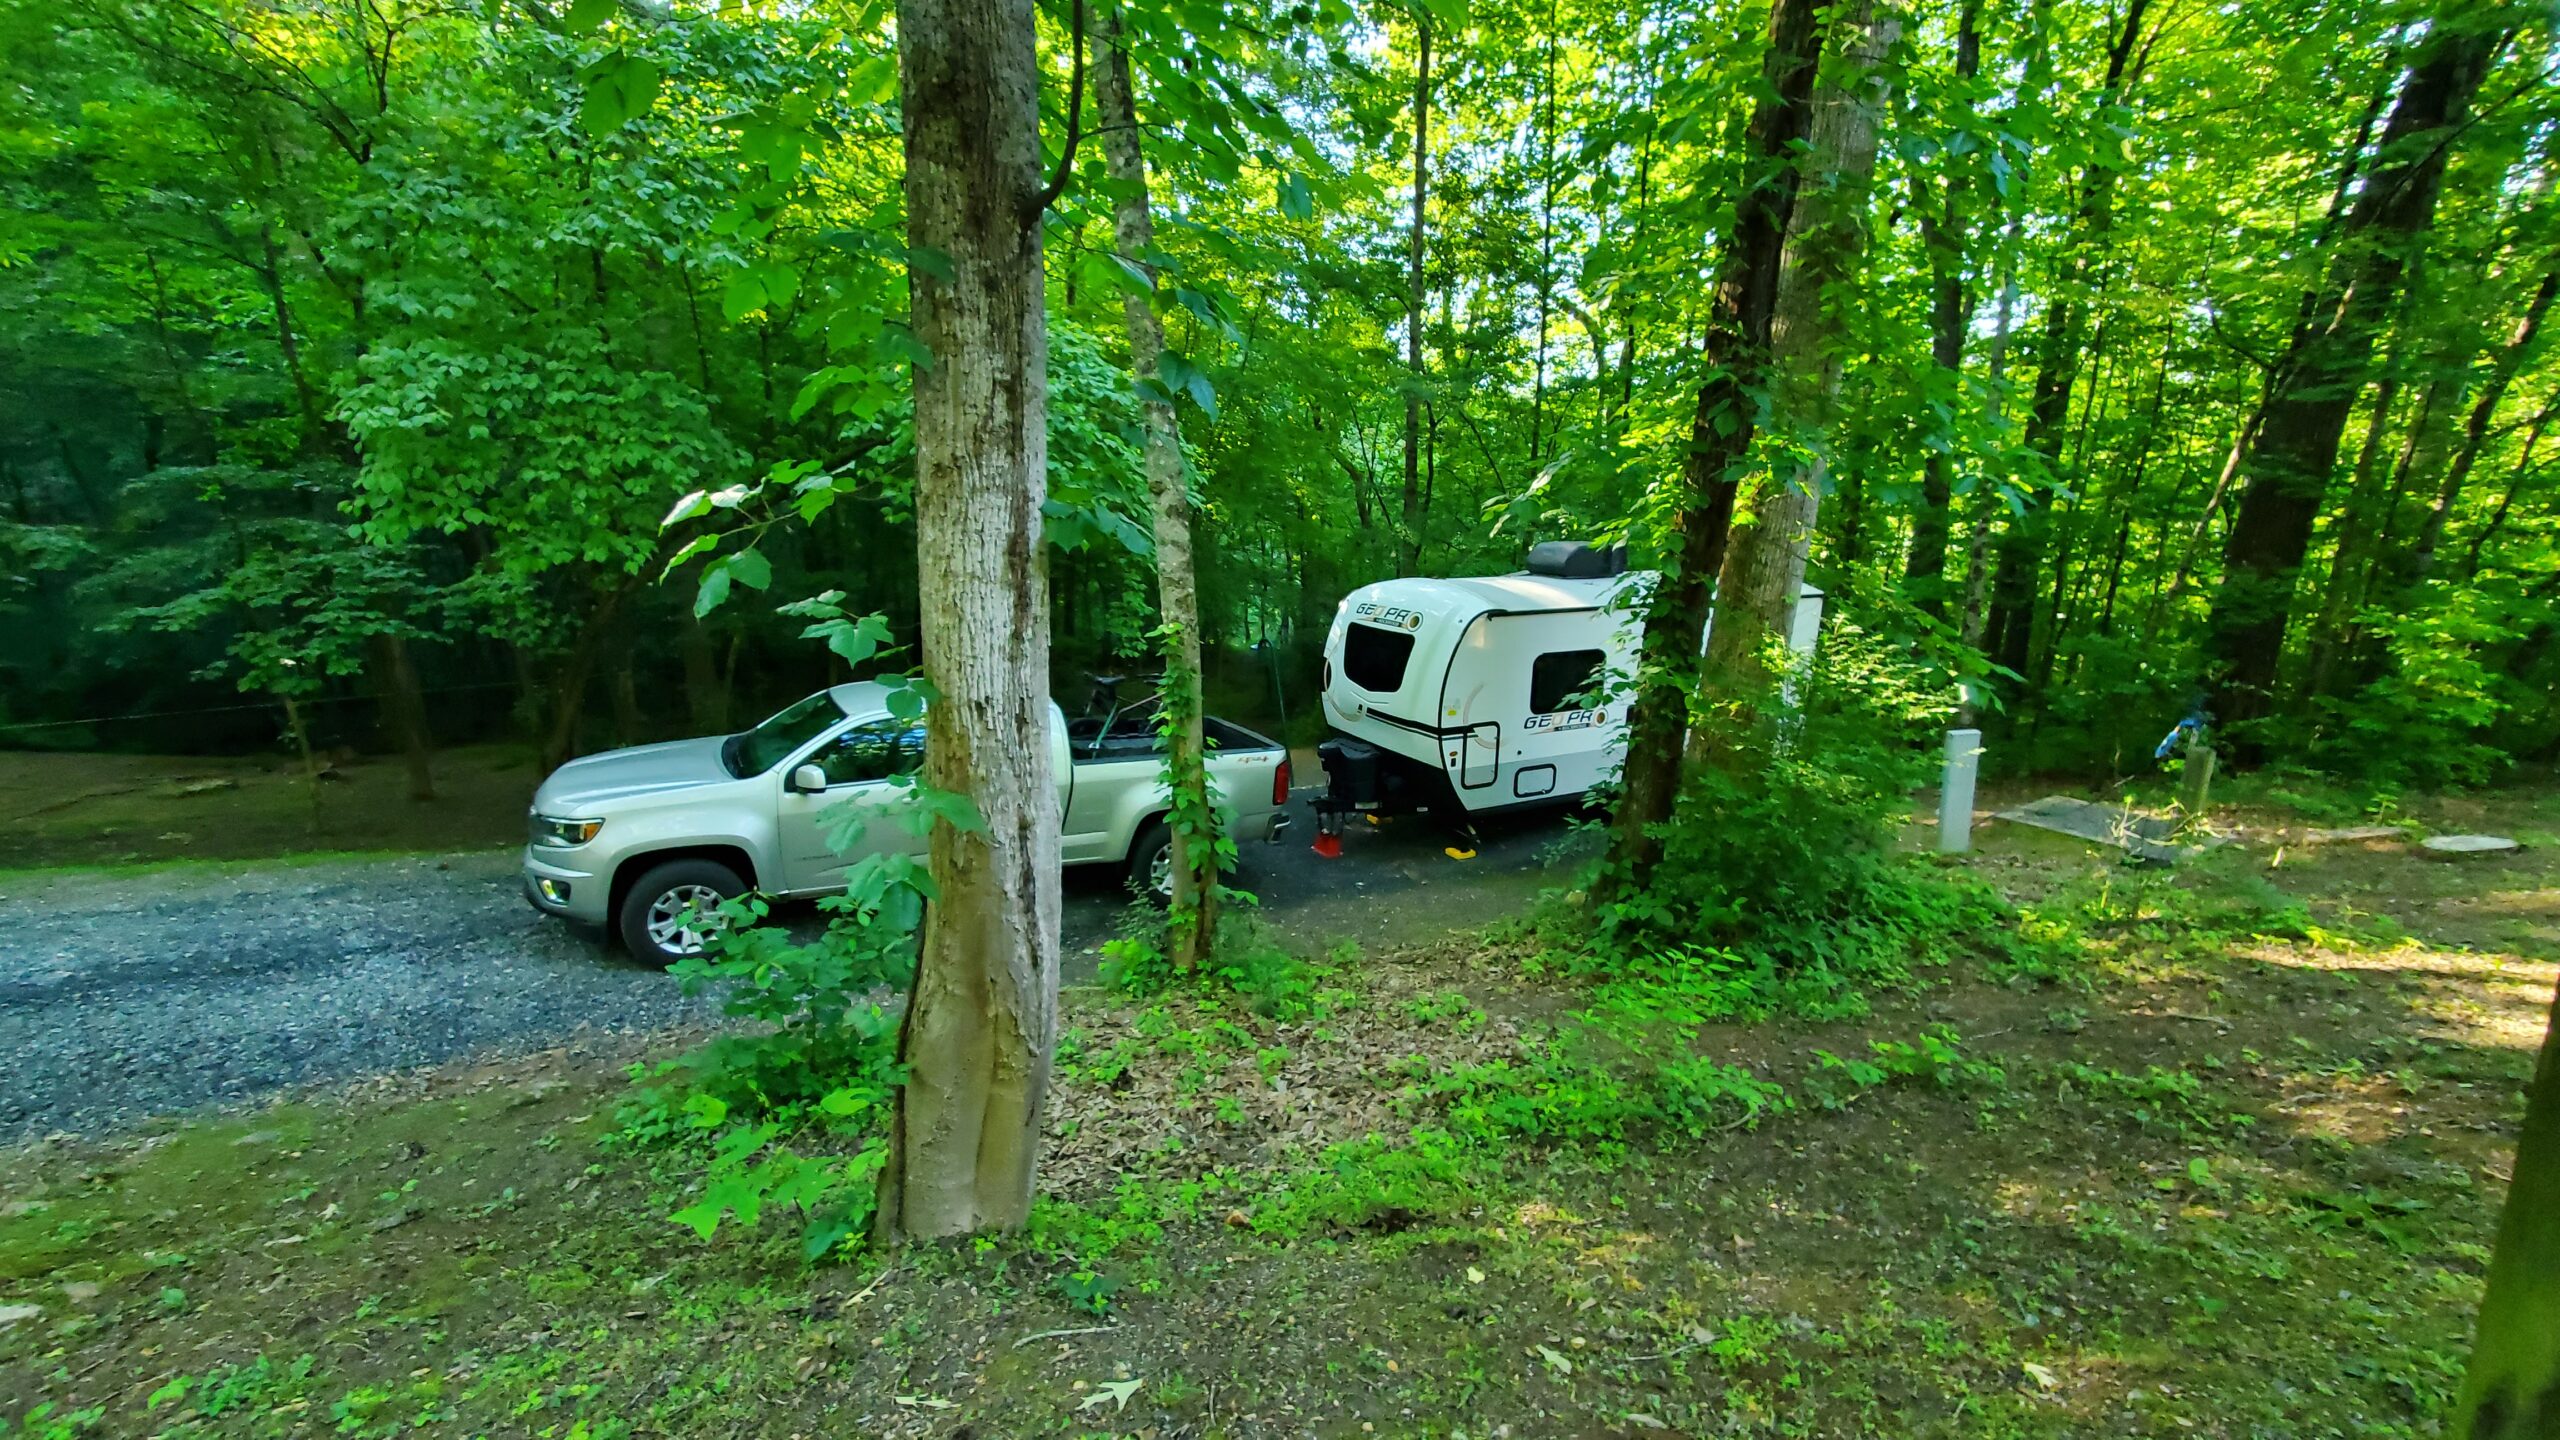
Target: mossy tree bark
(1764,563)
(1194,820)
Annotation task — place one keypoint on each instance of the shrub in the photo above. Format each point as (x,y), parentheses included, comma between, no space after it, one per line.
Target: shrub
(1249,963)
(1779,860)
(822,1069)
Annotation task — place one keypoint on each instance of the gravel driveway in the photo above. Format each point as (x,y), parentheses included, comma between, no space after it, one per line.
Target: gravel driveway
(127,995)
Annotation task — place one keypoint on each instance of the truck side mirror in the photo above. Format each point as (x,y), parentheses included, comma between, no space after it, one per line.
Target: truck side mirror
(806,780)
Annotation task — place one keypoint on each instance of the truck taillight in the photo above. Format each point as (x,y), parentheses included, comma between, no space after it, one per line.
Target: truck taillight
(1280,784)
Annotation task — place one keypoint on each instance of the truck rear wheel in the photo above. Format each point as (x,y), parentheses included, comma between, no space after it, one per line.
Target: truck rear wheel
(658,919)
(1151,863)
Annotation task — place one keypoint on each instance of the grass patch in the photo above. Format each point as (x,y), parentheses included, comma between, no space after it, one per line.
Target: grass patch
(68,810)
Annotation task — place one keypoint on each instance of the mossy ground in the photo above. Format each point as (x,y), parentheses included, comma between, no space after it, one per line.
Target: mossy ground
(63,808)
(2229,1171)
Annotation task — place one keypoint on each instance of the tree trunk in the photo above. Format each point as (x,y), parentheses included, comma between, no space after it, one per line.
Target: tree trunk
(1194,820)
(1546,242)
(2289,462)
(1737,357)
(301,732)
(1413,295)
(404,712)
(2515,482)
(1764,564)
(2512,1390)
(2475,432)
(577,670)
(706,697)
(1924,571)
(982,1023)
(2133,486)
(2354,549)
(2011,631)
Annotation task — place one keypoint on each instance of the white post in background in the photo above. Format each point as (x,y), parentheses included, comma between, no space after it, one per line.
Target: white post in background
(1955,792)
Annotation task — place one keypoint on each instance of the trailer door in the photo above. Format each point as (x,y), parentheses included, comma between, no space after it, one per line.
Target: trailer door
(1523,702)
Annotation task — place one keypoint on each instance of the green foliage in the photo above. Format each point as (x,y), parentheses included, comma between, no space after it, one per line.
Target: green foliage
(258,1385)
(1249,963)
(301,605)
(819,1061)
(2423,722)
(1934,1059)
(2174,1102)
(44,1422)
(1584,1087)
(1783,875)
(1375,1185)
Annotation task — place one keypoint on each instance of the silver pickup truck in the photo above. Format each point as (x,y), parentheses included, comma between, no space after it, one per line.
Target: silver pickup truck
(635,840)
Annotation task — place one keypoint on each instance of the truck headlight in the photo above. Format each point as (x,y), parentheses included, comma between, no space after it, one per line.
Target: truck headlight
(563,834)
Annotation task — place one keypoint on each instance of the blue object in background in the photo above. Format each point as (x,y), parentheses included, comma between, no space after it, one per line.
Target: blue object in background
(2192,727)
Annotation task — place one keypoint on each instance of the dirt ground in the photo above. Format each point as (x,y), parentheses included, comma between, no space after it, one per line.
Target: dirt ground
(2231,1172)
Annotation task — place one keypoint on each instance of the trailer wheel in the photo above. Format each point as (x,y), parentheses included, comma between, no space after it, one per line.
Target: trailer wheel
(1151,863)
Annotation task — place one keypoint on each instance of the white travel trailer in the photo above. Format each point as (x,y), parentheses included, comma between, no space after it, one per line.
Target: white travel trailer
(1487,693)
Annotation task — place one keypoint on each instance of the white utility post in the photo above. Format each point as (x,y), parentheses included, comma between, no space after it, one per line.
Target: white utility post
(1955,792)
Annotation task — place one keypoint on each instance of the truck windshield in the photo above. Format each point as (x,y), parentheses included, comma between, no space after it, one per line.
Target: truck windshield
(772,742)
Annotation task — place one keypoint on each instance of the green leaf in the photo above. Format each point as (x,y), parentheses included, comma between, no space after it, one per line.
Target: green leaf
(948,806)
(934,263)
(620,88)
(692,547)
(588,16)
(690,507)
(759,286)
(1449,15)
(1296,200)
(1131,276)
(715,588)
(751,569)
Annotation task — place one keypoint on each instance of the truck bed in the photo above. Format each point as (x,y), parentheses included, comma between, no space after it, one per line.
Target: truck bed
(1133,740)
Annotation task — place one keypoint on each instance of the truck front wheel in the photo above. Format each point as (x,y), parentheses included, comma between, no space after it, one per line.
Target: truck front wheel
(660,919)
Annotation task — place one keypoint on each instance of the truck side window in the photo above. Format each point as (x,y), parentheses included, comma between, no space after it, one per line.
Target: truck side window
(1373,658)
(880,750)
(1563,680)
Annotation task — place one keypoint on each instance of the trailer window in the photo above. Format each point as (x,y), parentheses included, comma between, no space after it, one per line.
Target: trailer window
(1374,658)
(1563,680)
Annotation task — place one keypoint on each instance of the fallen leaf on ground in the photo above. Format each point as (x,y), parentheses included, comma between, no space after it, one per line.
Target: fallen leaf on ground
(1115,1391)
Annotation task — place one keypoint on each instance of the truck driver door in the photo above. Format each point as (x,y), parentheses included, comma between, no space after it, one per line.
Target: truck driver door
(859,765)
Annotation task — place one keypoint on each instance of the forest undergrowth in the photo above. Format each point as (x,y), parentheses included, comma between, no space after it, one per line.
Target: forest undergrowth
(2071,1173)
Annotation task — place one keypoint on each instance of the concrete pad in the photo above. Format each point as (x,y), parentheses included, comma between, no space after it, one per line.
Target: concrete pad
(2145,837)
(2470,844)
